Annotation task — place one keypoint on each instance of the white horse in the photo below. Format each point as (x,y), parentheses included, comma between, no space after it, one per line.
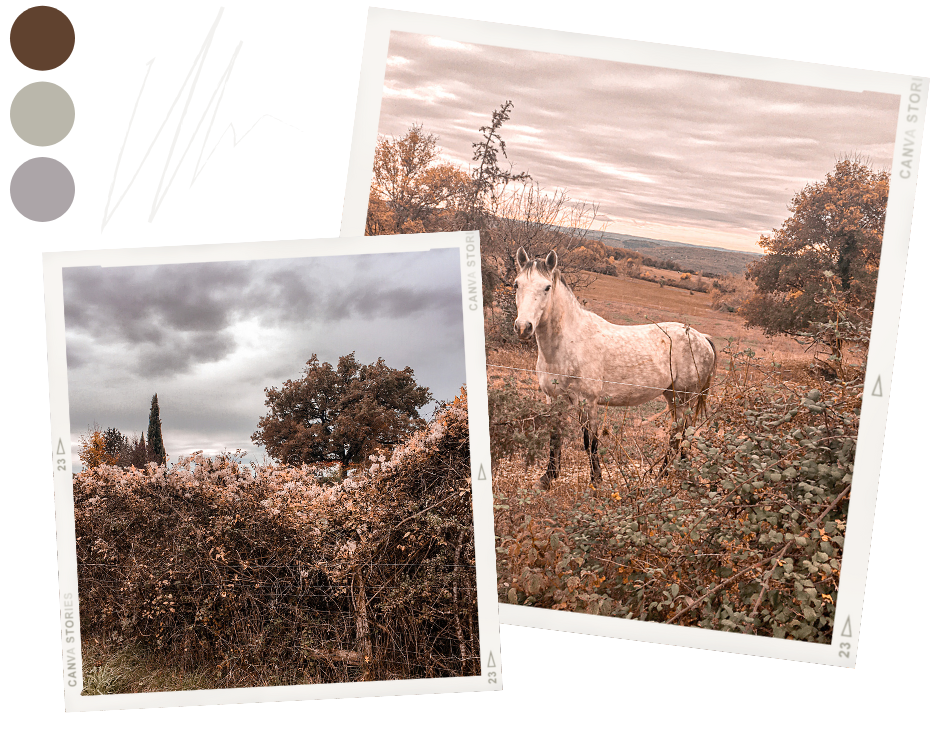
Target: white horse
(592,362)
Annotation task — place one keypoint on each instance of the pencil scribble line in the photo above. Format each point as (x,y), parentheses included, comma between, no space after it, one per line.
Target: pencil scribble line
(193,75)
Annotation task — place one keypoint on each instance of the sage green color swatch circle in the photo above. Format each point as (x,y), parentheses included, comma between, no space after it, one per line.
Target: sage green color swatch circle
(42,189)
(42,113)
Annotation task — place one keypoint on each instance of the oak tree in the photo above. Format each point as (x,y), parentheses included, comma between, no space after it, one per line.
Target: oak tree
(340,414)
(819,273)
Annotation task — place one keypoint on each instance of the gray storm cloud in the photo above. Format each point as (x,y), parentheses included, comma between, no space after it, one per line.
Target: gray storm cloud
(651,146)
(170,318)
(210,337)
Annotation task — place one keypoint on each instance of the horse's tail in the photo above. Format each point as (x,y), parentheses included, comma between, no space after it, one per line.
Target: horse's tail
(706,386)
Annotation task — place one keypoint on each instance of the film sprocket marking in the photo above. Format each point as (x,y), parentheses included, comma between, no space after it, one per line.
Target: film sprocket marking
(214,542)
(412,87)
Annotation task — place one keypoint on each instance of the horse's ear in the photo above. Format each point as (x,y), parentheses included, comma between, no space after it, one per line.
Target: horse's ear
(551,261)
(556,277)
(521,258)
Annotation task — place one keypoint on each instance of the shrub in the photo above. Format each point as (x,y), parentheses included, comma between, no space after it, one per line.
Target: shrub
(730,293)
(273,578)
(742,531)
(519,423)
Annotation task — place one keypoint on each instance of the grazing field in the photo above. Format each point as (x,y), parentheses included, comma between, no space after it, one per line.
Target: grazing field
(628,301)
(734,522)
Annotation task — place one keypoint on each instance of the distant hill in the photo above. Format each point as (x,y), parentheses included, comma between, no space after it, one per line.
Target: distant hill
(696,257)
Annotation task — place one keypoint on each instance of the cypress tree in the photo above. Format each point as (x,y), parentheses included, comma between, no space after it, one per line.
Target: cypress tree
(156,445)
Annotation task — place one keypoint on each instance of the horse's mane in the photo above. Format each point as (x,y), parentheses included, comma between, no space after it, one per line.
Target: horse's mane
(539,266)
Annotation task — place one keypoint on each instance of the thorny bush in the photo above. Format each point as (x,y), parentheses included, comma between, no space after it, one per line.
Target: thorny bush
(743,531)
(275,578)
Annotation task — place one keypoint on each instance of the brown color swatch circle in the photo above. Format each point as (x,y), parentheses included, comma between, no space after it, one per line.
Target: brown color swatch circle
(42,38)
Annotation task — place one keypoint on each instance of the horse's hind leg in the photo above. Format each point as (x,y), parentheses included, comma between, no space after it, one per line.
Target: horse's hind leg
(680,418)
(554,459)
(591,428)
(590,445)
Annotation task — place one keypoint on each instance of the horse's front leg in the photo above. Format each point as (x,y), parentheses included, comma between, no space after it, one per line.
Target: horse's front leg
(554,454)
(591,427)
(554,459)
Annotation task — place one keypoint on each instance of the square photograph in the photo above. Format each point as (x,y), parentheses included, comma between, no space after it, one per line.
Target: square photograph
(692,266)
(264,477)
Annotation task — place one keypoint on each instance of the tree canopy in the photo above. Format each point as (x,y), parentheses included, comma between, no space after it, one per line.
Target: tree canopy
(819,274)
(340,414)
(110,447)
(413,189)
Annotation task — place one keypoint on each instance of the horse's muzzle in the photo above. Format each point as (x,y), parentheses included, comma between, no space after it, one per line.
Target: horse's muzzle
(524,329)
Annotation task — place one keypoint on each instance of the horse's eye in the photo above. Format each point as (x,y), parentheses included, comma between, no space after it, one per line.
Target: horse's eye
(547,288)
(516,285)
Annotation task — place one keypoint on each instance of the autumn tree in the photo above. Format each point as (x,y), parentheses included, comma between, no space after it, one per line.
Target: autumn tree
(413,188)
(340,414)
(156,445)
(92,449)
(819,273)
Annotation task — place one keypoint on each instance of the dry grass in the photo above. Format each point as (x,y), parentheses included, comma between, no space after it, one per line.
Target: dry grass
(628,301)
(131,669)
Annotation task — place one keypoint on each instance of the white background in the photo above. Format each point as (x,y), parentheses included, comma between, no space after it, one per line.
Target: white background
(299,66)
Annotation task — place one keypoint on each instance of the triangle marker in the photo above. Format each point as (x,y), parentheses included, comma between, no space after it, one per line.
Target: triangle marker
(878,391)
(481,471)
(59,448)
(846,630)
(491,659)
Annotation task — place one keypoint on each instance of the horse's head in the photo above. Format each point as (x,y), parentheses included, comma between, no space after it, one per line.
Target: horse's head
(533,290)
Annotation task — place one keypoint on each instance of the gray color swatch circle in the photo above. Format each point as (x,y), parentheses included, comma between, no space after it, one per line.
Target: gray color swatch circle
(42,189)
(42,113)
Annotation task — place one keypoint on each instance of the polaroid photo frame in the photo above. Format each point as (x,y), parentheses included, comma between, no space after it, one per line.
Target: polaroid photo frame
(775,548)
(325,558)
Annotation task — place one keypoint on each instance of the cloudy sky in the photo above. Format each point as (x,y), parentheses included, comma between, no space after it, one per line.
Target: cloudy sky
(210,337)
(691,157)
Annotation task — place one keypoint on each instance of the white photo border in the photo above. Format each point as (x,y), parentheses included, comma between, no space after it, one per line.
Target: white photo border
(880,363)
(474,347)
